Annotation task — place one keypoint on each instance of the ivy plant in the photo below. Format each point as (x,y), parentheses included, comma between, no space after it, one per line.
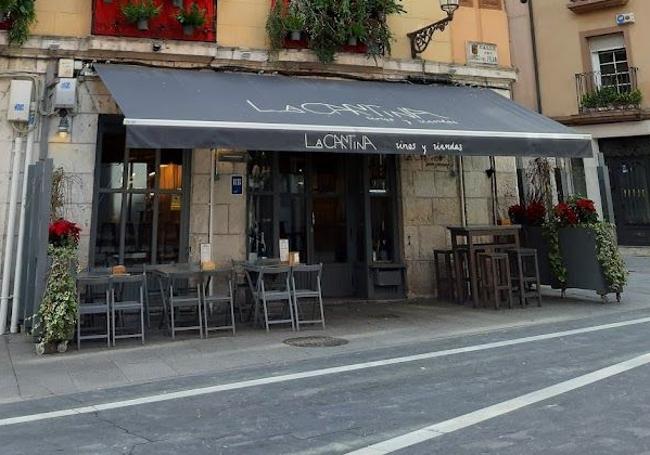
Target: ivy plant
(329,24)
(21,14)
(57,315)
(551,235)
(609,257)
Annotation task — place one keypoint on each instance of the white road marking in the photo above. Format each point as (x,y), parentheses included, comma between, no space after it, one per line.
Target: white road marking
(499,409)
(167,396)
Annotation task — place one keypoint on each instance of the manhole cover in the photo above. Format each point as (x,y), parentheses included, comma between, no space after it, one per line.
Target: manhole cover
(384,316)
(315,342)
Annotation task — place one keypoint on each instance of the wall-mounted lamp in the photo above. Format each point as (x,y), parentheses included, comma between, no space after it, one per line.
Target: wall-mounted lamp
(63,130)
(421,38)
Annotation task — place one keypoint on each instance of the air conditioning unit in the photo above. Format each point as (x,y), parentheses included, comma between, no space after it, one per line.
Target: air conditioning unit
(625,18)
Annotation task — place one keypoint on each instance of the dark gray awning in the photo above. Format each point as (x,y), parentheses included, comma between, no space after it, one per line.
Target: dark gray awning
(169,108)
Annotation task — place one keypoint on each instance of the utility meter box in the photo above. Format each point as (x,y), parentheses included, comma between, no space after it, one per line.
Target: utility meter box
(20,97)
(65,93)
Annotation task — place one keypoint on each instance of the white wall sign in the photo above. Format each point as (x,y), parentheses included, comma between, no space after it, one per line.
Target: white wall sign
(482,53)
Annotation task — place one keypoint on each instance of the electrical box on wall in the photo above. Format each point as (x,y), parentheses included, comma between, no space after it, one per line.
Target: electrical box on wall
(65,93)
(20,97)
(625,18)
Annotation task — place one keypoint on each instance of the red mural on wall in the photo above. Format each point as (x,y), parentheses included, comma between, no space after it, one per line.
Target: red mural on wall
(108,20)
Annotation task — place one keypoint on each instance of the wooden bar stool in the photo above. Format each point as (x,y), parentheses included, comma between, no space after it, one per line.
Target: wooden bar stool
(494,278)
(525,274)
(444,268)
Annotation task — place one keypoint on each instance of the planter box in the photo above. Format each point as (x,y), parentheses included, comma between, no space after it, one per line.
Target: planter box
(533,237)
(578,249)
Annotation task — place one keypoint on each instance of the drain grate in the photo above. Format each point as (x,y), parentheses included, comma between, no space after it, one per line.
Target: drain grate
(315,342)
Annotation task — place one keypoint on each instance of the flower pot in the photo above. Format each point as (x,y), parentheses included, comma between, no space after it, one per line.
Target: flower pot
(353,41)
(188,30)
(51,348)
(143,24)
(578,249)
(295,35)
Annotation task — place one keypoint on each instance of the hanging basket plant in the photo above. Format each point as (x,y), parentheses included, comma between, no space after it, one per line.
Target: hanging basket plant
(191,18)
(20,14)
(330,25)
(140,12)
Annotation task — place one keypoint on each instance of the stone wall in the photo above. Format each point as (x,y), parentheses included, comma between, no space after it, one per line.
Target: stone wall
(229,215)
(430,195)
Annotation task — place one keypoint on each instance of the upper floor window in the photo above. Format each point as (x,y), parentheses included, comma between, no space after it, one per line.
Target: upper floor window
(609,62)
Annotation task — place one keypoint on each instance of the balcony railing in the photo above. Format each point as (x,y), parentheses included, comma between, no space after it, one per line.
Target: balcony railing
(585,6)
(598,92)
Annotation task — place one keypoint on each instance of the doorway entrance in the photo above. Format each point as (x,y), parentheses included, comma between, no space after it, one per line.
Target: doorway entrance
(320,204)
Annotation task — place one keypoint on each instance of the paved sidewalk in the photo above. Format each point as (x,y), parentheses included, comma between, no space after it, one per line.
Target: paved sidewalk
(366,326)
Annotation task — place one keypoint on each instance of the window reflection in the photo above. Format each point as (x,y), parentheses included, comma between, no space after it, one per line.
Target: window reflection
(142,168)
(171,170)
(112,161)
(138,228)
(109,215)
(169,227)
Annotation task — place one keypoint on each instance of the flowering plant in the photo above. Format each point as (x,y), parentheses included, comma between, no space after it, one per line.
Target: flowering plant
(565,214)
(533,214)
(586,210)
(63,232)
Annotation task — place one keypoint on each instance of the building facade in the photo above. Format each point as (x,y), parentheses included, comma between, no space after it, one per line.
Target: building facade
(373,221)
(592,70)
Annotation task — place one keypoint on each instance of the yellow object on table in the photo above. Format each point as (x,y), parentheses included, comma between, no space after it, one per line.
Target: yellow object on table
(208,265)
(118,270)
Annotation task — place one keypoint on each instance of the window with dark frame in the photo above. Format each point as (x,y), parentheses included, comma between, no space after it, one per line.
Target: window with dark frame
(141,206)
(614,69)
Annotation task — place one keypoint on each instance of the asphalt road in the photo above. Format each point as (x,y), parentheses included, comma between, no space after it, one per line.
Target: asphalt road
(313,407)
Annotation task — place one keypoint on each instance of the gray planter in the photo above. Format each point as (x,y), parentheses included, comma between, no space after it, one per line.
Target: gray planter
(143,24)
(352,41)
(188,30)
(533,237)
(578,249)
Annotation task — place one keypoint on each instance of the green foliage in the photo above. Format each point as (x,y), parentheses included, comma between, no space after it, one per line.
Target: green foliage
(194,16)
(607,253)
(57,315)
(551,234)
(21,15)
(140,10)
(275,28)
(330,23)
(609,257)
(610,97)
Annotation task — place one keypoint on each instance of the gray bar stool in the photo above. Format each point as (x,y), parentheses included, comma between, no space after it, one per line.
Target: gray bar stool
(308,288)
(129,300)
(217,289)
(494,278)
(525,274)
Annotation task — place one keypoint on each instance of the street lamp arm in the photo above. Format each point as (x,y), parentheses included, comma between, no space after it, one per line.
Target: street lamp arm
(421,38)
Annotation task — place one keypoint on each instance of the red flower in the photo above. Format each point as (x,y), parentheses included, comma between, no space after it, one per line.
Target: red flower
(535,213)
(63,231)
(517,214)
(586,204)
(566,214)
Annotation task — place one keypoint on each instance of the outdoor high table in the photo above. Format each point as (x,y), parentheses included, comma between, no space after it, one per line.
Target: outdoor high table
(502,236)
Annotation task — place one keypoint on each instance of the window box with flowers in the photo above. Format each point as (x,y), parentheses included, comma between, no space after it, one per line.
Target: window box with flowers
(57,315)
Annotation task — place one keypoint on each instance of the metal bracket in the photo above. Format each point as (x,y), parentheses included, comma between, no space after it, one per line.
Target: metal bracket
(421,38)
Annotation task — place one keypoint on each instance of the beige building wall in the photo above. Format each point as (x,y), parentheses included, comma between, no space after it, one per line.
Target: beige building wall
(560,49)
(241,24)
(524,91)
(63,18)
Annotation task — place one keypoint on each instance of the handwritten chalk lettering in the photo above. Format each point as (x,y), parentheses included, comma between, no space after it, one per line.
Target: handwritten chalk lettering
(339,142)
(372,112)
(447,147)
(406,146)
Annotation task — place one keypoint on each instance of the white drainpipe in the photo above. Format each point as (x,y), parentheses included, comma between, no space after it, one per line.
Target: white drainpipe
(15,303)
(10,233)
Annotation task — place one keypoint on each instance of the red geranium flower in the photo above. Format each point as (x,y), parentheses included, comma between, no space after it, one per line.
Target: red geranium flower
(63,231)
(566,214)
(517,214)
(535,213)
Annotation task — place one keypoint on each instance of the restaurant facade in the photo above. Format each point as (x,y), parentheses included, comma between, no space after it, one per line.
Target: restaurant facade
(199,149)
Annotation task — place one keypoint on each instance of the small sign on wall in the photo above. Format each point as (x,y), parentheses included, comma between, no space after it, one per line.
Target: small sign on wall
(237,185)
(482,53)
